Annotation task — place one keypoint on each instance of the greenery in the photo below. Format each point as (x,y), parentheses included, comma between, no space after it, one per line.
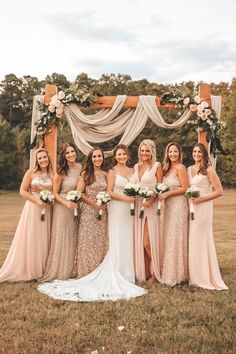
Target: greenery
(179,320)
(16,98)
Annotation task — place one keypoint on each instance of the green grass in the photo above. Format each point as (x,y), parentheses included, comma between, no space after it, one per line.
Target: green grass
(178,320)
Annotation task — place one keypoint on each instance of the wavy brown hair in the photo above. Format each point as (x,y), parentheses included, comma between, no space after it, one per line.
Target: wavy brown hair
(88,171)
(205,162)
(36,166)
(166,160)
(63,168)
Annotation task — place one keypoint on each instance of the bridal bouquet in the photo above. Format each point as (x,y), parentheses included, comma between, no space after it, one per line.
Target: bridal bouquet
(159,189)
(102,198)
(131,190)
(146,193)
(46,197)
(74,196)
(192,193)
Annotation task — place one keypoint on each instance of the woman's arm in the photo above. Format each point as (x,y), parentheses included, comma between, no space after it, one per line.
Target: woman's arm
(184,184)
(216,184)
(110,187)
(159,178)
(57,181)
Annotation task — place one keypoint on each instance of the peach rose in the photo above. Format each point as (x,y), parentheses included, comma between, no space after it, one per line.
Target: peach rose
(193,107)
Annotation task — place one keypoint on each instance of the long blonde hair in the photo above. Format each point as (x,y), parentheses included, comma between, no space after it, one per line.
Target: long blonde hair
(152,148)
(166,160)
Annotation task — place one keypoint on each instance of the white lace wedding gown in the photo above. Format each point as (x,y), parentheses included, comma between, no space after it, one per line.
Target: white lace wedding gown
(113,279)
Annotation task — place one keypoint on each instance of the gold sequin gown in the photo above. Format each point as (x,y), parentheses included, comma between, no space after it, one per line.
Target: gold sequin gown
(64,233)
(27,257)
(92,237)
(175,257)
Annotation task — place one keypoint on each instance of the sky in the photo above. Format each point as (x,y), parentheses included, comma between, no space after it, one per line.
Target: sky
(163,41)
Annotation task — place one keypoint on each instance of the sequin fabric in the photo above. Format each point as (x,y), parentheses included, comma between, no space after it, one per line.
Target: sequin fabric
(92,236)
(175,260)
(64,233)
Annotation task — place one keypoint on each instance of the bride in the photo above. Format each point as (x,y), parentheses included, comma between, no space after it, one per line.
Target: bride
(114,278)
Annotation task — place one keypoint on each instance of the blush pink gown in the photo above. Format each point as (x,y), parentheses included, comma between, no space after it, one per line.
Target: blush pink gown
(26,259)
(153,221)
(203,265)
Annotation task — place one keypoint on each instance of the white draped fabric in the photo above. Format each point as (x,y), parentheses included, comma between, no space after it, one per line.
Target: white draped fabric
(110,123)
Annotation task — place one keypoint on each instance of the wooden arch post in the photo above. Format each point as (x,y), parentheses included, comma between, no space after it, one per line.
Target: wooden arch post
(50,140)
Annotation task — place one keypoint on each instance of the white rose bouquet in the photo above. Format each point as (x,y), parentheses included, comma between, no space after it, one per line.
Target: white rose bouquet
(102,198)
(131,190)
(146,193)
(191,193)
(158,189)
(46,197)
(74,196)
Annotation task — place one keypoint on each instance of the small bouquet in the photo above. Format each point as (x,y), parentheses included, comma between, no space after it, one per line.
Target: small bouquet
(46,197)
(146,193)
(159,189)
(102,198)
(74,196)
(191,193)
(131,190)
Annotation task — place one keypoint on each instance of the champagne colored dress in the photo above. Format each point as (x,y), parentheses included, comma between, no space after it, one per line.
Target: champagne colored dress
(175,236)
(203,266)
(113,278)
(64,232)
(153,221)
(92,237)
(26,259)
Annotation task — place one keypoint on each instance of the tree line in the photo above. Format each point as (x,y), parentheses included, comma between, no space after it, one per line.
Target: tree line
(16,99)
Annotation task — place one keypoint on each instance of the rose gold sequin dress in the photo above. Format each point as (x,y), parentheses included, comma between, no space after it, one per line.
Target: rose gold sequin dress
(26,259)
(64,233)
(204,270)
(92,237)
(175,235)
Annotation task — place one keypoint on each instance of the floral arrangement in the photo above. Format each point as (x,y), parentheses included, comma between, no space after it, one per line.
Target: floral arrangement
(47,197)
(102,198)
(158,189)
(145,193)
(52,113)
(74,196)
(203,117)
(131,190)
(192,193)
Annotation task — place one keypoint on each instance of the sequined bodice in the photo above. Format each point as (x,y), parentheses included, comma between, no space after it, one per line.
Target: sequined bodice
(70,181)
(41,181)
(99,185)
(201,182)
(120,183)
(172,181)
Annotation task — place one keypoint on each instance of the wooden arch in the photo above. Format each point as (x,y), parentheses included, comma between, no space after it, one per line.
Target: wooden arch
(50,140)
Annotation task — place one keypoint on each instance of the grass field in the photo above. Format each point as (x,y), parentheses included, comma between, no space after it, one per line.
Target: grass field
(178,320)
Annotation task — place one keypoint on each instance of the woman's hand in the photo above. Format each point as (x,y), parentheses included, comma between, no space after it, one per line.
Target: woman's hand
(71,205)
(163,196)
(41,204)
(130,199)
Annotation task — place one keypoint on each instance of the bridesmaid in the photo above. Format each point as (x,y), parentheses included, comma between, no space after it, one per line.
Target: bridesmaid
(26,259)
(175,233)
(203,266)
(92,237)
(64,229)
(147,230)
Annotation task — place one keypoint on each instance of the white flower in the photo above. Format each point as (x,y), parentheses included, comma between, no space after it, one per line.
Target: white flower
(61,95)
(51,108)
(200,107)
(73,196)
(197,99)
(208,111)
(204,104)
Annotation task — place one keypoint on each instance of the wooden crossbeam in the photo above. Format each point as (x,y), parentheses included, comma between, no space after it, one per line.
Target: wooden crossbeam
(50,140)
